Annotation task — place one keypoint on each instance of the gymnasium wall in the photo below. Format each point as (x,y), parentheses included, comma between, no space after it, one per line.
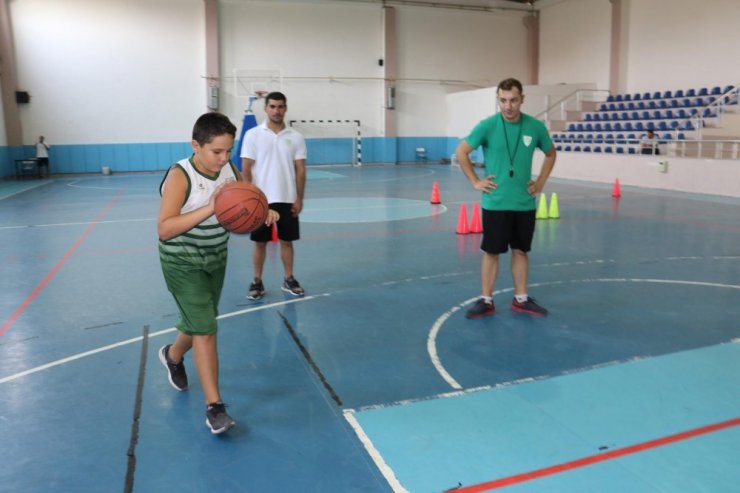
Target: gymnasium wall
(120,82)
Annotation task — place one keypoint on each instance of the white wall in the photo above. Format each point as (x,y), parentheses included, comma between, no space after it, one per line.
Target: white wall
(109,71)
(575,42)
(704,176)
(680,44)
(344,41)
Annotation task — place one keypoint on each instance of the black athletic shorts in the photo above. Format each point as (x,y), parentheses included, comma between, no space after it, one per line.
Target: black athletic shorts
(504,229)
(287,226)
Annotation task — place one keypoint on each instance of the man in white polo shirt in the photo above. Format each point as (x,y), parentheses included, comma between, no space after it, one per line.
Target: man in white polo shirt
(274,158)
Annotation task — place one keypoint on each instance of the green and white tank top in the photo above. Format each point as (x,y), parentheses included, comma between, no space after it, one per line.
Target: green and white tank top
(207,242)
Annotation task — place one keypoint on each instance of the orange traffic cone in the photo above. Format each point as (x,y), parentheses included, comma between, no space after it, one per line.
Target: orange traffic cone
(434,199)
(462,221)
(274,233)
(616,192)
(475,220)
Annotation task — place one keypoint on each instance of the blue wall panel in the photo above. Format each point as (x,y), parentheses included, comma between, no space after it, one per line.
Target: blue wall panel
(90,158)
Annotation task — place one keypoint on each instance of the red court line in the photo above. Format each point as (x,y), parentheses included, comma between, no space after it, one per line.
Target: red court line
(22,308)
(593,459)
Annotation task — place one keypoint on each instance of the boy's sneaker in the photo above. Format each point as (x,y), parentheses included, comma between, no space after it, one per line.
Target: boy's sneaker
(256,290)
(529,307)
(175,371)
(217,419)
(480,309)
(290,285)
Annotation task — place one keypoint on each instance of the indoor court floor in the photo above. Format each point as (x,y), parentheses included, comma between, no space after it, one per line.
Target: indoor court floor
(375,381)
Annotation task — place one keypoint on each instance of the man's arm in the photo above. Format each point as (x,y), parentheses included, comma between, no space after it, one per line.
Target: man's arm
(247,169)
(462,153)
(300,185)
(548,163)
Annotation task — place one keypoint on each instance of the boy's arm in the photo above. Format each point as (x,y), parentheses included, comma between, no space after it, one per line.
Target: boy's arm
(170,222)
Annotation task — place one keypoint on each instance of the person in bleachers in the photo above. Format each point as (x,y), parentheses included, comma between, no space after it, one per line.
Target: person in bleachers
(649,144)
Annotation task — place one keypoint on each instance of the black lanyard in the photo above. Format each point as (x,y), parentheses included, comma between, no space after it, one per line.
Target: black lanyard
(516,147)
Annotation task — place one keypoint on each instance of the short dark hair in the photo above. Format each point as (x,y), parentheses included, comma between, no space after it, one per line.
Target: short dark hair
(276,96)
(509,84)
(210,125)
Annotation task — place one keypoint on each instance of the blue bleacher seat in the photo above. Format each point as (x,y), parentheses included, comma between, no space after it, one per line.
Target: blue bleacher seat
(698,102)
(607,149)
(681,113)
(632,150)
(703,92)
(657,115)
(681,136)
(690,93)
(626,97)
(673,103)
(598,140)
(571,127)
(597,149)
(652,105)
(620,150)
(610,98)
(656,95)
(649,126)
(588,117)
(586,148)
(607,127)
(597,117)
(631,106)
(727,88)
(624,116)
(559,147)
(597,127)
(635,115)
(641,105)
(618,97)
(646,95)
(620,106)
(678,94)
(667,94)
(567,148)
(645,115)
(636,97)
(579,127)
(663,103)
(668,114)
(716,91)
(628,126)
(588,128)
(639,127)
(674,124)
(662,125)
(631,136)
(577,148)
(612,107)
(620,139)
(667,137)
(617,127)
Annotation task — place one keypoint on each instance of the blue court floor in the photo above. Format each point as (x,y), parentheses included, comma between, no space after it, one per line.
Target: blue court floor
(375,381)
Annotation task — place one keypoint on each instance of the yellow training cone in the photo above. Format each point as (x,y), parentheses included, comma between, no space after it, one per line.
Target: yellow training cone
(554,211)
(542,208)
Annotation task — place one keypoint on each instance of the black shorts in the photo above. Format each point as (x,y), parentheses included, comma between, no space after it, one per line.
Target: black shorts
(504,229)
(42,161)
(287,226)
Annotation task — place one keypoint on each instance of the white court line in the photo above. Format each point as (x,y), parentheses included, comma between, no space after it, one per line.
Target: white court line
(133,340)
(85,223)
(385,470)
(437,325)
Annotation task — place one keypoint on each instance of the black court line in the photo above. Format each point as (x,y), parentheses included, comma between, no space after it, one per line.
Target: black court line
(128,486)
(310,360)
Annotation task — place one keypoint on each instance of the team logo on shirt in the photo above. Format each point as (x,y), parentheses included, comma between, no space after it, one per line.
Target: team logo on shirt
(527,139)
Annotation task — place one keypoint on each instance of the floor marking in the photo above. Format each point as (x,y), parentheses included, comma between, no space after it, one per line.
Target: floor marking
(385,470)
(134,340)
(437,325)
(22,308)
(128,485)
(594,459)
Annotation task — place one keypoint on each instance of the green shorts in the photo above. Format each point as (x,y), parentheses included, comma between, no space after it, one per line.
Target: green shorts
(197,291)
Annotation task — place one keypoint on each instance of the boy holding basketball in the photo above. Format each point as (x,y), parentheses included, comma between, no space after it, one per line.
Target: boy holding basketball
(509,140)
(193,253)
(274,159)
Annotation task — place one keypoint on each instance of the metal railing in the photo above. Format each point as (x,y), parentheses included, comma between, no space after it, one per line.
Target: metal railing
(690,148)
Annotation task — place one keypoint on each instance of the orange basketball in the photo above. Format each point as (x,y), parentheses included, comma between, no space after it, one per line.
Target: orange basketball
(240,207)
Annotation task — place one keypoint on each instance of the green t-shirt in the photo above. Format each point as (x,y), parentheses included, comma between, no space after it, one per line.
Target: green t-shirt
(501,159)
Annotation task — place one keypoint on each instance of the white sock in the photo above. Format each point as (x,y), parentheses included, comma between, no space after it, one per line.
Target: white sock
(521,298)
(488,299)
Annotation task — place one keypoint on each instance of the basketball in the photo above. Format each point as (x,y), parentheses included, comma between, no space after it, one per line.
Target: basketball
(240,207)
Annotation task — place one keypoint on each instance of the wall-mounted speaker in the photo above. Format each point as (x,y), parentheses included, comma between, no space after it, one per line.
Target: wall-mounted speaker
(22,97)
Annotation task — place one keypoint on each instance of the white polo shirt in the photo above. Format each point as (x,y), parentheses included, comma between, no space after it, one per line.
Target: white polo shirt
(274,158)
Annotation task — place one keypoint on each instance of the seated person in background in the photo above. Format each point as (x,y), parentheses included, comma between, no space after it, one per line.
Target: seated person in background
(649,144)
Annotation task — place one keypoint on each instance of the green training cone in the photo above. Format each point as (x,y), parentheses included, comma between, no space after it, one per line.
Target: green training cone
(554,212)
(542,208)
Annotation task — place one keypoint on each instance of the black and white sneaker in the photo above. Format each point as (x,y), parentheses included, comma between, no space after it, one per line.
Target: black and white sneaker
(175,371)
(256,290)
(291,286)
(217,419)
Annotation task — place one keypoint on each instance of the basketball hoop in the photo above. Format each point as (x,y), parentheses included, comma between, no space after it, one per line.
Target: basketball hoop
(258,94)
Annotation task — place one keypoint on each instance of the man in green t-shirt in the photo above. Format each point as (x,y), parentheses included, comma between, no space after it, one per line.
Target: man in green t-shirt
(508,139)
